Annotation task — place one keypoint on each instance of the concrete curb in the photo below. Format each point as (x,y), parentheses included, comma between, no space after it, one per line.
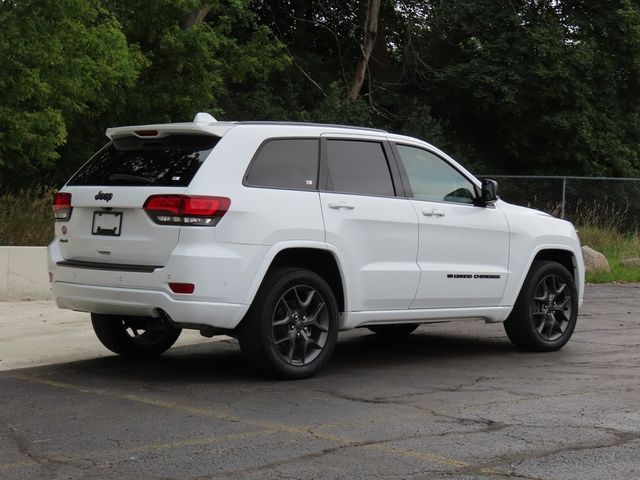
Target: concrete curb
(24,274)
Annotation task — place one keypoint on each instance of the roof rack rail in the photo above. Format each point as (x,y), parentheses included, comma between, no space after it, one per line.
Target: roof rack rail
(309,124)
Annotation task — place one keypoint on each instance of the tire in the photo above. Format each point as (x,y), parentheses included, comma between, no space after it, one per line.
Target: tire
(291,329)
(134,336)
(546,311)
(394,331)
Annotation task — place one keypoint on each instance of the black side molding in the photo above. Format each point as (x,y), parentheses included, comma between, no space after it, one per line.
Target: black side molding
(120,267)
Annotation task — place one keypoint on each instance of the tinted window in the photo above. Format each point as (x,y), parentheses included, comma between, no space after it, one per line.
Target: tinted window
(433,179)
(286,163)
(358,167)
(131,161)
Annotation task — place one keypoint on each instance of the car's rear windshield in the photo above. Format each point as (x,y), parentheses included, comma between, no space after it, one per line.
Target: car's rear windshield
(171,161)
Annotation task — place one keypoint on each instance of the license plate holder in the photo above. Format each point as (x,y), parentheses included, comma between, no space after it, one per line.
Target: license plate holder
(107,223)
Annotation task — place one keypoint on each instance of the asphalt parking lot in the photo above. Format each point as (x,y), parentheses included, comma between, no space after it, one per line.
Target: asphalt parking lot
(451,401)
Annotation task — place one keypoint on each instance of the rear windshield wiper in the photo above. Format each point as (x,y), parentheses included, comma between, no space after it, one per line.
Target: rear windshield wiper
(124,177)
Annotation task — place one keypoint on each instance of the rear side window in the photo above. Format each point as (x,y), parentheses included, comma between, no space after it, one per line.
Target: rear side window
(358,167)
(131,161)
(286,163)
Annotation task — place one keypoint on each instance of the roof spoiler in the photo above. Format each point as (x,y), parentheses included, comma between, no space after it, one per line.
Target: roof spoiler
(203,123)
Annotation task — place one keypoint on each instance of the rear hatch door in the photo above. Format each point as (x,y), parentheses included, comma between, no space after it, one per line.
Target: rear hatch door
(108,223)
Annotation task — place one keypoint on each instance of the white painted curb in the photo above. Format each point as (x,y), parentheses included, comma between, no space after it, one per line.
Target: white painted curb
(24,273)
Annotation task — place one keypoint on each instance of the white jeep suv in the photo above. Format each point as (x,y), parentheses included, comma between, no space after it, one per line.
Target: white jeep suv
(282,234)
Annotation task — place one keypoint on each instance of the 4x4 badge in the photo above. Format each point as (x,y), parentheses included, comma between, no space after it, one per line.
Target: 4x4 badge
(104,196)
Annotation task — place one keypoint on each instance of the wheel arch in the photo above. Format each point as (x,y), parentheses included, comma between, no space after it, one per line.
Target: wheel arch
(564,255)
(319,261)
(315,257)
(566,258)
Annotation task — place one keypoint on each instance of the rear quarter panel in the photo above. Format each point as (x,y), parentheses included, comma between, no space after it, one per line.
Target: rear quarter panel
(257,216)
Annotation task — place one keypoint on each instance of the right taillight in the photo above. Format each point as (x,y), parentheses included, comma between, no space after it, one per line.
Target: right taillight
(196,210)
(62,206)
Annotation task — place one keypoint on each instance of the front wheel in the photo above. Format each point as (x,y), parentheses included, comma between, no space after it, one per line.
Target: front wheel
(546,311)
(291,328)
(134,336)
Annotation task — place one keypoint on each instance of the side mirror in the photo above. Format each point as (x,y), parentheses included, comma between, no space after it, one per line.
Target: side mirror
(489,192)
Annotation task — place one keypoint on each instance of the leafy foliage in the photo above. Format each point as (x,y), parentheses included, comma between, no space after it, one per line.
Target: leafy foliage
(507,86)
(61,61)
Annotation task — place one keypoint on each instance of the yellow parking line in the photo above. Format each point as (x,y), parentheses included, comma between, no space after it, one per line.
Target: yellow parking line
(266,426)
(419,455)
(145,448)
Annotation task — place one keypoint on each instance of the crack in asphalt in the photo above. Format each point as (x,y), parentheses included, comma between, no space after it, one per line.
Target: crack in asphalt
(48,466)
(396,399)
(621,438)
(308,456)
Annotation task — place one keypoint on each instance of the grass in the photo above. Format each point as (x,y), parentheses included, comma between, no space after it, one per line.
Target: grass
(26,218)
(616,247)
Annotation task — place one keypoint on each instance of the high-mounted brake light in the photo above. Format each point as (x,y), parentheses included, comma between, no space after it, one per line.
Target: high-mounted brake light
(62,206)
(147,133)
(186,209)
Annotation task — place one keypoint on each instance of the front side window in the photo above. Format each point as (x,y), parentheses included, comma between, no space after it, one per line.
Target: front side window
(358,167)
(433,179)
(286,163)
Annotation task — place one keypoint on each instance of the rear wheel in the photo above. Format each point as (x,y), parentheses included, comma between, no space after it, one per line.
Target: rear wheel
(134,336)
(394,331)
(292,327)
(546,311)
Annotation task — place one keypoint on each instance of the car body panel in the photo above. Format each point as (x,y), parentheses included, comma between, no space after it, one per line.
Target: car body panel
(384,264)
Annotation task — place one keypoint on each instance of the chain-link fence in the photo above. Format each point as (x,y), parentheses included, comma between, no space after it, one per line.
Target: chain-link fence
(597,201)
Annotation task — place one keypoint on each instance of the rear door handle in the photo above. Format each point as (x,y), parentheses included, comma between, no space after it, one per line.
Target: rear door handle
(432,212)
(341,205)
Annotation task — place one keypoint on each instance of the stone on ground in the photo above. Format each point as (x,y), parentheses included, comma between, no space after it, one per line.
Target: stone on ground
(594,261)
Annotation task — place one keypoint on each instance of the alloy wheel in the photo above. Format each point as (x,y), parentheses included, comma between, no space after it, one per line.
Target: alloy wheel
(300,325)
(551,307)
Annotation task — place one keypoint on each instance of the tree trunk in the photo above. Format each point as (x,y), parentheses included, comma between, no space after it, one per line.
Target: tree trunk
(369,35)
(302,11)
(196,17)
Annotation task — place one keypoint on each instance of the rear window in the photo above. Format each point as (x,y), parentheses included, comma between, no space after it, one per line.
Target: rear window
(286,163)
(131,161)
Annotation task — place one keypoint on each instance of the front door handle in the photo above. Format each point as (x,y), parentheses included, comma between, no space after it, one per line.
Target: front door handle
(432,212)
(341,205)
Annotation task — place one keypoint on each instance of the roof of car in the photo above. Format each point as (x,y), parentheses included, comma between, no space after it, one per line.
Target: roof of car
(308,124)
(204,122)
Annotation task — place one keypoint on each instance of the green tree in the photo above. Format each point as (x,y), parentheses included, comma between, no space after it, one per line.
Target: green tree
(546,87)
(61,61)
(197,51)
(197,54)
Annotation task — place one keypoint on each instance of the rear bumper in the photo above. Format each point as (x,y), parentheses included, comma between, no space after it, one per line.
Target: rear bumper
(132,301)
(222,274)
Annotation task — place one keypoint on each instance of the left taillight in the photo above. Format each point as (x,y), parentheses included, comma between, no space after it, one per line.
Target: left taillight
(196,210)
(62,206)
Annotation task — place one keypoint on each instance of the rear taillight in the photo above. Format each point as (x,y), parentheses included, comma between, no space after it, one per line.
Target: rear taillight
(62,206)
(186,209)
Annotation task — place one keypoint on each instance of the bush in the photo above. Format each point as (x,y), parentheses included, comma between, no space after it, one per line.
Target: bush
(26,217)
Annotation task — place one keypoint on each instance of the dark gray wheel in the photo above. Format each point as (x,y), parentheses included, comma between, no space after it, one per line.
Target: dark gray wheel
(394,331)
(545,314)
(292,326)
(134,336)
